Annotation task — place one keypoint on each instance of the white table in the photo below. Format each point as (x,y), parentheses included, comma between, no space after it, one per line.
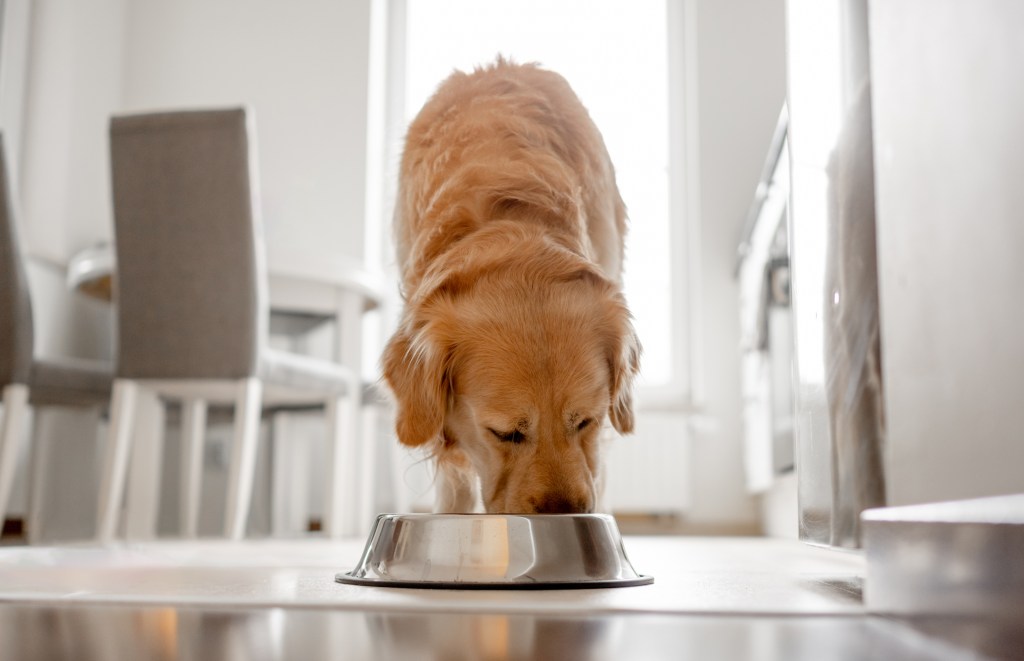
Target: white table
(300,283)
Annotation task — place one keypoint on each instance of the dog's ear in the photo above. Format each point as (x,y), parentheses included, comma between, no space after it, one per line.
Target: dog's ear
(415,369)
(622,346)
(625,365)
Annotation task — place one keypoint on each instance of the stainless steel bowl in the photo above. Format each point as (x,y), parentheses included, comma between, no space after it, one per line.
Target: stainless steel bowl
(495,551)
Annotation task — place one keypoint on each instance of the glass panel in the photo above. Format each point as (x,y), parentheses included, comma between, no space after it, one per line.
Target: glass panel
(839,418)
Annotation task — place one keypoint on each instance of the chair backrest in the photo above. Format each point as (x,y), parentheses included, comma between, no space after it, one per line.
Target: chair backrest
(190,285)
(15,304)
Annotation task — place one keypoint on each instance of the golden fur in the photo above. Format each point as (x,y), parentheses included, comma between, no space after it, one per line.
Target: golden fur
(515,344)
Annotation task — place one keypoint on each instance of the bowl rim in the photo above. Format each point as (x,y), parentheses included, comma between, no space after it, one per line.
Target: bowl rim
(377,581)
(641,579)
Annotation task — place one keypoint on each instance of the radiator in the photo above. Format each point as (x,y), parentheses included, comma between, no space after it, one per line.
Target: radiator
(649,470)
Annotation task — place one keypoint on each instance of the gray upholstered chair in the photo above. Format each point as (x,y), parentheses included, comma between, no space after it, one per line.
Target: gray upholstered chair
(28,380)
(192,306)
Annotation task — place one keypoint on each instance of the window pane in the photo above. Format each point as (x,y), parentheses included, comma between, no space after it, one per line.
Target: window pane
(614,54)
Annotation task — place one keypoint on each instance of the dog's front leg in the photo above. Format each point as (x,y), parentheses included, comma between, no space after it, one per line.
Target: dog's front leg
(458,489)
(602,503)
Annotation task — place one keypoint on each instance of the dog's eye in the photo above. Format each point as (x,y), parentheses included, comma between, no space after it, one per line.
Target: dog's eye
(514,436)
(584,424)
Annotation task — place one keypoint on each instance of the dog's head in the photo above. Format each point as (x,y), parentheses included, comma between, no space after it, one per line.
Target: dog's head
(516,355)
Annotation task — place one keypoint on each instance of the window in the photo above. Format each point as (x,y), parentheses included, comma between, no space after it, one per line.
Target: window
(614,53)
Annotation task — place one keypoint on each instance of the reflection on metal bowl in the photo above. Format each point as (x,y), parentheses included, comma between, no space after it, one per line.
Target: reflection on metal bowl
(495,551)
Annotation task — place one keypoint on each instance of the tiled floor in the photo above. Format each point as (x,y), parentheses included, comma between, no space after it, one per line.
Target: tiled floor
(717,598)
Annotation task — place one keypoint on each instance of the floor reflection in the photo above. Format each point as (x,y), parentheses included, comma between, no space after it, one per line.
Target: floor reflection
(458,637)
(85,633)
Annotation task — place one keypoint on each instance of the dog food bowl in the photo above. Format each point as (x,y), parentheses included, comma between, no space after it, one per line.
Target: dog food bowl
(495,551)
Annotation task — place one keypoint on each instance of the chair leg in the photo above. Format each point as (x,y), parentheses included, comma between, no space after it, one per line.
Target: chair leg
(243,457)
(280,467)
(397,455)
(341,515)
(193,429)
(142,501)
(367,478)
(115,461)
(290,492)
(339,464)
(15,401)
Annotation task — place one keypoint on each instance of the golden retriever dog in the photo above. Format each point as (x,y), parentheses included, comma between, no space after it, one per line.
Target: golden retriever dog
(515,345)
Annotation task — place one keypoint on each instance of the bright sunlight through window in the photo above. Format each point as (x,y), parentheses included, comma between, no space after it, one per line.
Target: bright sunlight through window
(613,53)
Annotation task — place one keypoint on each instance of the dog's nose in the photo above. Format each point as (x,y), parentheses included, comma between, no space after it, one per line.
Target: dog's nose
(560,504)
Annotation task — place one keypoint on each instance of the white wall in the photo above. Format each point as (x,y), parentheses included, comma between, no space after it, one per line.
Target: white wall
(63,202)
(741,87)
(949,156)
(73,84)
(302,67)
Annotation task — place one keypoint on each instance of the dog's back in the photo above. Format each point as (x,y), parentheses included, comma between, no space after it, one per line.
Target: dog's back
(515,343)
(506,142)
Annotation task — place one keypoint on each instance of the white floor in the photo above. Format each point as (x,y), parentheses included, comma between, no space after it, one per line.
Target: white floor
(696,575)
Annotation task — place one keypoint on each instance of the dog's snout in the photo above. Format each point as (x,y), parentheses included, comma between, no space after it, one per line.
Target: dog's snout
(560,504)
